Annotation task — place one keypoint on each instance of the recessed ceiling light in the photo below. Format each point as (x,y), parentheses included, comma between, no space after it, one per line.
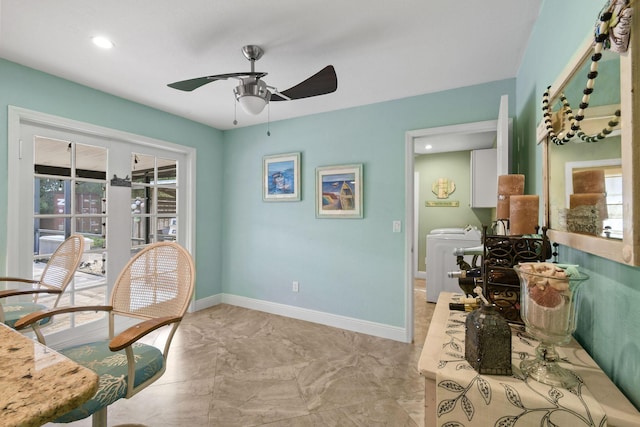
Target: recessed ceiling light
(428,147)
(102,42)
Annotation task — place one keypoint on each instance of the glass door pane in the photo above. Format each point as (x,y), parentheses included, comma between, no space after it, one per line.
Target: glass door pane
(154,199)
(70,196)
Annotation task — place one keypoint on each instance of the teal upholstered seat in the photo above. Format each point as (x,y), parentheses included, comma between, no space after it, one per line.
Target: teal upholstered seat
(12,312)
(155,289)
(112,369)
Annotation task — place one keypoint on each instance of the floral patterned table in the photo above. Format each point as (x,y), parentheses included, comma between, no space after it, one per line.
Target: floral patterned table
(466,398)
(456,395)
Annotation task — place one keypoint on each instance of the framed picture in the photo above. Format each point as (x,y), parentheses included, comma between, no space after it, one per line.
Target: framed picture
(339,191)
(281,177)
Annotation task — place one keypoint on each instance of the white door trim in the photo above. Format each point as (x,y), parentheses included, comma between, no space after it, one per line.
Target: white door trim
(409,235)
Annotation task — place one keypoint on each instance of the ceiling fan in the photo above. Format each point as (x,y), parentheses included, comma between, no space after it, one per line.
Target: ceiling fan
(253,94)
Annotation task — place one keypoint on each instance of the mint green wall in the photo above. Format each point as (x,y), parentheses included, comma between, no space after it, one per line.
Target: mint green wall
(349,267)
(34,90)
(608,318)
(456,167)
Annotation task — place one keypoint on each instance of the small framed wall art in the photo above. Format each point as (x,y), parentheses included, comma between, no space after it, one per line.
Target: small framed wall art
(281,177)
(339,191)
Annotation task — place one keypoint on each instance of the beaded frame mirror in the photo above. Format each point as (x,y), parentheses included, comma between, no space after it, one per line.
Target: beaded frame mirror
(567,137)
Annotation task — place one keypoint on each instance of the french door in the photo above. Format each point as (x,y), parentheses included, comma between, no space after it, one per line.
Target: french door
(119,194)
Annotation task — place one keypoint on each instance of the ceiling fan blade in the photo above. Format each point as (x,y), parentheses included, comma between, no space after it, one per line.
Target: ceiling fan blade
(323,82)
(191,84)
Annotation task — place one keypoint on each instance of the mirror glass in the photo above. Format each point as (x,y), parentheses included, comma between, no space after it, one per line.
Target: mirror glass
(589,192)
(585,178)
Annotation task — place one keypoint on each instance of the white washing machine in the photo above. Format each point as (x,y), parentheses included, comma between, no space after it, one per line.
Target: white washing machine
(440,259)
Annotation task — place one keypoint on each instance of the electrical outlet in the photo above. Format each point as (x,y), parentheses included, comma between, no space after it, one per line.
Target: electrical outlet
(295,286)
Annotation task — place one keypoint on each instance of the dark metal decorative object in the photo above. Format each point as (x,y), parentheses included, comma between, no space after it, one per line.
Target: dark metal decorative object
(120,182)
(507,251)
(488,341)
(500,282)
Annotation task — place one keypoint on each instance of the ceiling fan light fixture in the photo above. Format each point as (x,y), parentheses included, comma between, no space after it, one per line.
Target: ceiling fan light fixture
(252,104)
(252,96)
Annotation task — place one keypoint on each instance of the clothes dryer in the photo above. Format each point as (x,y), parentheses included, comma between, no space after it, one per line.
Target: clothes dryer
(440,259)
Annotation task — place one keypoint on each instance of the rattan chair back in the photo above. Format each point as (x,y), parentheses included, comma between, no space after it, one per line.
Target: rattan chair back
(62,264)
(158,281)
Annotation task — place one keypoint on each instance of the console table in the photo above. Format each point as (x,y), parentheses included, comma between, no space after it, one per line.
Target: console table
(600,396)
(38,384)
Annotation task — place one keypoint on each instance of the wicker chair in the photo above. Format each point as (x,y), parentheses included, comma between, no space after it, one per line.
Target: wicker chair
(155,287)
(55,278)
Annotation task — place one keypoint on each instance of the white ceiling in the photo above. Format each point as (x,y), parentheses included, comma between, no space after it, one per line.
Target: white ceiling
(381,50)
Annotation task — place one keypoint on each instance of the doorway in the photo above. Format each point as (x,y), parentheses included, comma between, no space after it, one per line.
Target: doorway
(502,127)
(119,191)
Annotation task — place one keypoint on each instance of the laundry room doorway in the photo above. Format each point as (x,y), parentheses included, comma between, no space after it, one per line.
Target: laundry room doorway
(445,142)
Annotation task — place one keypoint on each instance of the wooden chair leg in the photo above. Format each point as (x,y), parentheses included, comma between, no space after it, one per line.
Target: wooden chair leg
(99,419)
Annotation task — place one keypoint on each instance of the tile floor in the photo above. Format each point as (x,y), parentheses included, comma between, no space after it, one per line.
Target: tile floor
(229,366)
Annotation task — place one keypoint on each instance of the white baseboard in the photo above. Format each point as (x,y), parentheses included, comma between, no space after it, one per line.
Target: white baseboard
(421,274)
(395,333)
(207,302)
(356,325)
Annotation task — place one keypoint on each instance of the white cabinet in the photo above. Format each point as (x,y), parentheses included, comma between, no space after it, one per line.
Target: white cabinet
(484,178)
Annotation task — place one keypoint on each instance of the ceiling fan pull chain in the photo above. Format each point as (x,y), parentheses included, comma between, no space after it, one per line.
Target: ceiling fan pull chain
(268,120)
(235,113)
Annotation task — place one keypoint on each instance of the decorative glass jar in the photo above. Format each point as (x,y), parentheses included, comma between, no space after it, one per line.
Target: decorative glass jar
(547,307)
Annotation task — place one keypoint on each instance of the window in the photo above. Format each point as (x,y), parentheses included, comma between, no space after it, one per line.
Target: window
(154,191)
(613,185)
(69,197)
(61,181)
